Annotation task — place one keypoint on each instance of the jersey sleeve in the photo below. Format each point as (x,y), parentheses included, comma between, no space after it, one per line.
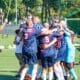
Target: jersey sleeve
(38,29)
(17,39)
(56,34)
(66,33)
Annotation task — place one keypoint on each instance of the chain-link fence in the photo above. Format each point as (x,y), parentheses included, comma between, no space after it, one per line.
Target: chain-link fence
(9,29)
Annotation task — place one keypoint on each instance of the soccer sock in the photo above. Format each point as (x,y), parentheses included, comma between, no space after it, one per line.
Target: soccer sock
(44,76)
(72,72)
(51,75)
(23,73)
(61,72)
(34,73)
(56,70)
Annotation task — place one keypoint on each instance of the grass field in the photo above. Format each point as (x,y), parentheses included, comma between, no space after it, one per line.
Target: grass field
(9,64)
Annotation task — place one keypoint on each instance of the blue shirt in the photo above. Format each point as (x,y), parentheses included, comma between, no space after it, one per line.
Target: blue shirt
(29,39)
(46,40)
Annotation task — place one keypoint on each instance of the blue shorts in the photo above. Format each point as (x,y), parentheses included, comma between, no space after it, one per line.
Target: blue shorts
(39,54)
(29,58)
(61,53)
(47,61)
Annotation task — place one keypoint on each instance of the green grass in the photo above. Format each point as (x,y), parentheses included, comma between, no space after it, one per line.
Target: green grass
(9,64)
(6,40)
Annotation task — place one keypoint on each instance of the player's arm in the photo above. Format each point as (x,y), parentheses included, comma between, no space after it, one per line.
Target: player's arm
(17,41)
(46,31)
(51,43)
(67,29)
(3,25)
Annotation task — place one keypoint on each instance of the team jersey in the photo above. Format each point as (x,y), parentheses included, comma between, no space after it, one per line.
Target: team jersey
(68,39)
(46,40)
(70,50)
(19,45)
(29,39)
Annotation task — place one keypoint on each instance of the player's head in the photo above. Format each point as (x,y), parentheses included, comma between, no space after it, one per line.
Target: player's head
(29,21)
(17,31)
(55,20)
(46,25)
(36,19)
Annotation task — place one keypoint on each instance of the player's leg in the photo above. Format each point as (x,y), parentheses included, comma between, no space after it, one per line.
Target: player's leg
(35,65)
(58,71)
(44,67)
(39,72)
(19,57)
(50,67)
(71,71)
(34,71)
(23,73)
(25,69)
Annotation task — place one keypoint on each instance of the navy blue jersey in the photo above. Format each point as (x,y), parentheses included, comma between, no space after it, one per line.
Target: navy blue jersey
(29,39)
(46,40)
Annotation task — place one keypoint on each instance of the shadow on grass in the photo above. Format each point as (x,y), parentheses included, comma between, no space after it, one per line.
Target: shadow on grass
(8,71)
(6,77)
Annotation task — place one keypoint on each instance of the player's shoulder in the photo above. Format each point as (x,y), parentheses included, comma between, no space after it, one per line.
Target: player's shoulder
(17,37)
(23,25)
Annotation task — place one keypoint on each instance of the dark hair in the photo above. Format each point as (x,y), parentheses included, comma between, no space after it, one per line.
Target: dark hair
(17,31)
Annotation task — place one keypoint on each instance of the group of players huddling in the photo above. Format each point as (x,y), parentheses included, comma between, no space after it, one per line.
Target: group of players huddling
(48,48)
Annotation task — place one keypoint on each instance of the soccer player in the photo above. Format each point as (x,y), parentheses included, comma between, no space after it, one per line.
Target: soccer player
(47,54)
(59,50)
(29,33)
(70,51)
(18,51)
(29,49)
(70,55)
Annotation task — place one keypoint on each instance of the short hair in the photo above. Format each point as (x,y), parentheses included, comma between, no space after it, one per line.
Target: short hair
(17,31)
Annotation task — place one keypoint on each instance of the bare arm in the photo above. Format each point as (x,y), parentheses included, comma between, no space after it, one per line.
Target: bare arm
(46,31)
(2,26)
(51,43)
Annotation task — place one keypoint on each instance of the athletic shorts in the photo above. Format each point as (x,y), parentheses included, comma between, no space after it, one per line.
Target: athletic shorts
(61,53)
(39,54)
(19,57)
(47,61)
(30,58)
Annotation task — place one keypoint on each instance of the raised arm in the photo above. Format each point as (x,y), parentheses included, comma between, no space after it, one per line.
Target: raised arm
(3,25)
(46,31)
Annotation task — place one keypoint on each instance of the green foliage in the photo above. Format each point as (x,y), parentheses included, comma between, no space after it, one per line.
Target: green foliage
(38,7)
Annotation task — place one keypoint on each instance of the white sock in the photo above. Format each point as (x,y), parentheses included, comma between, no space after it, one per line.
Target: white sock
(44,76)
(23,73)
(51,75)
(61,72)
(34,73)
(56,70)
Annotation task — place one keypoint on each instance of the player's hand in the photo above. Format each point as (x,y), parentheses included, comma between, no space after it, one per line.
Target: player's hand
(71,32)
(46,46)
